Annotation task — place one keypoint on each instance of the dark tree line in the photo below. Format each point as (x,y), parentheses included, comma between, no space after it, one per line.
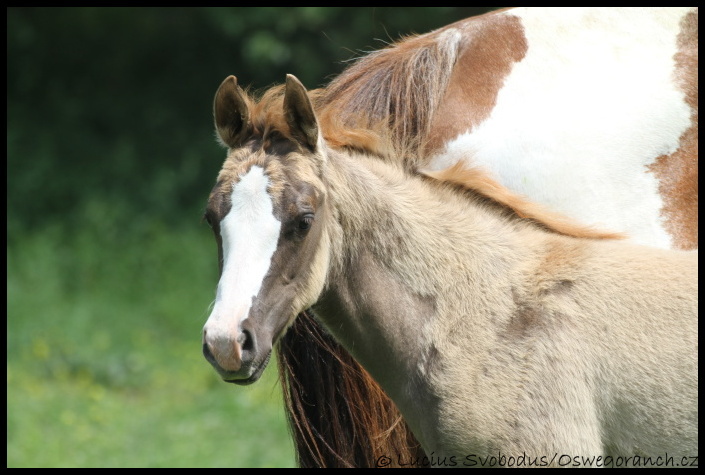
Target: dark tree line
(113,105)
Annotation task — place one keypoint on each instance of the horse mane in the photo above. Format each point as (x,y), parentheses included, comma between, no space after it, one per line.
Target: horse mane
(477,180)
(384,102)
(395,91)
(338,415)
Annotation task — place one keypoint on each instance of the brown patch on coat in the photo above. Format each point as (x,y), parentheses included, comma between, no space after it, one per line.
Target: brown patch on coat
(677,173)
(491,46)
(558,270)
(523,323)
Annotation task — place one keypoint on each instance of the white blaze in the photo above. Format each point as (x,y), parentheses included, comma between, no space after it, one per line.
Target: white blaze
(585,112)
(249,236)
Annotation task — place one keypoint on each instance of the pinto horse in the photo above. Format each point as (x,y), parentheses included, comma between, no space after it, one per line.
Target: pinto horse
(592,112)
(492,333)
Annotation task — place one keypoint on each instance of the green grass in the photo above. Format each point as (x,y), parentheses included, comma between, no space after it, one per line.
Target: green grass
(104,364)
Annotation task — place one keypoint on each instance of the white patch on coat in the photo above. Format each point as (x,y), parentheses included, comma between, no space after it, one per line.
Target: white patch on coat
(585,112)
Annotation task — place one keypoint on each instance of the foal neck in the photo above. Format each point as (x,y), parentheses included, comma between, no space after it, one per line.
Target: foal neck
(409,220)
(405,252)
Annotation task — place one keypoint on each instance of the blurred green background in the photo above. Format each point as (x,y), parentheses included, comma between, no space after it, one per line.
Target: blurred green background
(110,269)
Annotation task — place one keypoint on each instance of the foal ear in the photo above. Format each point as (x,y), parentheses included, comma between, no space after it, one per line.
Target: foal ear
(299,114)
(231,113)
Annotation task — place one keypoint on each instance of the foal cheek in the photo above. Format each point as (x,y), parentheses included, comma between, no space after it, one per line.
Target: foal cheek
(286,290)
(273,311)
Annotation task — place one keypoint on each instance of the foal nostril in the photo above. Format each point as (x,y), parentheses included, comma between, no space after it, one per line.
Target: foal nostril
(246,341)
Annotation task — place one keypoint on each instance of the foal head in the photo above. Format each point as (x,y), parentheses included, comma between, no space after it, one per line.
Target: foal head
(267,211)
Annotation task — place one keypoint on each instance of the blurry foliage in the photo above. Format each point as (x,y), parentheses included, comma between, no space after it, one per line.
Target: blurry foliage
(113,105)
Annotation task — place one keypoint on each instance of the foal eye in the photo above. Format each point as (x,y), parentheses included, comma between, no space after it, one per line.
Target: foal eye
(305,222)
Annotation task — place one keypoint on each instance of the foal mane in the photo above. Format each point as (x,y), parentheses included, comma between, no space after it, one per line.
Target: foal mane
(476,180)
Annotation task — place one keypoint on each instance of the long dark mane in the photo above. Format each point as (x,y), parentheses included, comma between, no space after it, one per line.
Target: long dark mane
(338,415)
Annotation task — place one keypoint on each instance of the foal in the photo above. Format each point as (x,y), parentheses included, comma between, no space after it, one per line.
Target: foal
(493,335)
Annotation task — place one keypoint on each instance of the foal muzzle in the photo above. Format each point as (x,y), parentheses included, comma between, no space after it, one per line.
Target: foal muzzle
(238,357)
